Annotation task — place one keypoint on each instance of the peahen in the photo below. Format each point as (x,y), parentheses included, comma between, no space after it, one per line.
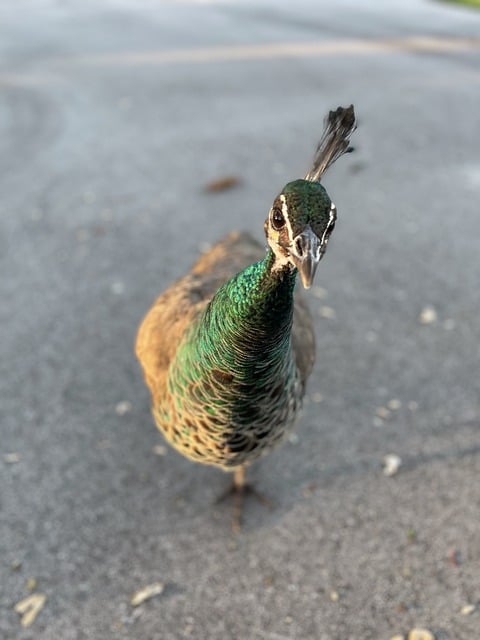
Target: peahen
(226,350)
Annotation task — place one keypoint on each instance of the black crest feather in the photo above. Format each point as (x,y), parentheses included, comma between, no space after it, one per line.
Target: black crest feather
(339,126)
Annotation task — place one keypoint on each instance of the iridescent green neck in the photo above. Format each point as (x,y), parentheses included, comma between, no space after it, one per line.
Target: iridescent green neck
(245,329)
(255,307)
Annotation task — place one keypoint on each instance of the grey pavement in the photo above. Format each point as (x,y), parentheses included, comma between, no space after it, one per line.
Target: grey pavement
(113,117)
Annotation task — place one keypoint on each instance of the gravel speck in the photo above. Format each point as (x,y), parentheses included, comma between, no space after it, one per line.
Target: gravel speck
(391,464)
(428,315)
(147,592)
(467,609)
(123,407)
(30,607)
(420,634)
(327,312)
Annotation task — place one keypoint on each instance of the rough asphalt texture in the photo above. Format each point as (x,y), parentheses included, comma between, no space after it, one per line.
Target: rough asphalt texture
(105,154)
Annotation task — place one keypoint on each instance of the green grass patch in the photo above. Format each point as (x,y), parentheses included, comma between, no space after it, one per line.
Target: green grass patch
(467,3)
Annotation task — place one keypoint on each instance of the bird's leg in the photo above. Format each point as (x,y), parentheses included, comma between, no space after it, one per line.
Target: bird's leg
(239,478)
(239,489)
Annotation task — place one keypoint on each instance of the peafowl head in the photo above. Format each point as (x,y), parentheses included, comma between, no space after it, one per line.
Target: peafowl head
(303,216)
(299,225)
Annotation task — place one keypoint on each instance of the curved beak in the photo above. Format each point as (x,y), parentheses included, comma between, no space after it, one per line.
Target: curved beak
(306,255)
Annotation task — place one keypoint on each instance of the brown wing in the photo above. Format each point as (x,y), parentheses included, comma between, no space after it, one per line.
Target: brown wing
(164,325)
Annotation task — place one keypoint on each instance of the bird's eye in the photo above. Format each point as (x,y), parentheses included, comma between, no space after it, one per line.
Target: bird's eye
(278,220)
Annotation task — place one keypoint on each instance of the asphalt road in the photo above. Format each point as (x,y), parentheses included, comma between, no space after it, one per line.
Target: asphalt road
(113,117)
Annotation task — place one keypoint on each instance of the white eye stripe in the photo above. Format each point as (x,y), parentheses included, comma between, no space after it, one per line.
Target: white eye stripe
(283,200)
(331,222)
(333,213)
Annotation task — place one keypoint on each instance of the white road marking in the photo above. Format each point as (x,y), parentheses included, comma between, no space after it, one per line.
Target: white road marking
(269,51)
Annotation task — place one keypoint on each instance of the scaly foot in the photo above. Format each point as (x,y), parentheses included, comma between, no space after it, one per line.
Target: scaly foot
(239,490)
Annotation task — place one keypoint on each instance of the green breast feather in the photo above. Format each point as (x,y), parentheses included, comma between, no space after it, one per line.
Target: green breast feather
(231,387)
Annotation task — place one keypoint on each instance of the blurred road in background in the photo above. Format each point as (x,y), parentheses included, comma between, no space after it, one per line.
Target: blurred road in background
(113,118)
